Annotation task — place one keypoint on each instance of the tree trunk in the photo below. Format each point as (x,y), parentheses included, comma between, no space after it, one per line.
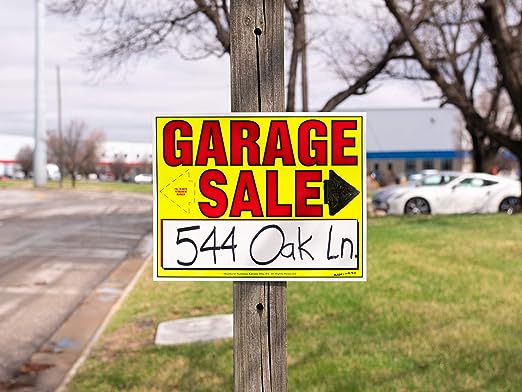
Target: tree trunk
(304,80)
(478,162)
(518,210)
(61,179)
(519,158)
(507,48)
(304,65)
(292,75)
(73,179)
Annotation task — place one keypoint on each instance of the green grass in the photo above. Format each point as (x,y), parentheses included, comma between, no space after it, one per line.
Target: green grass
(441,311)
(82,185)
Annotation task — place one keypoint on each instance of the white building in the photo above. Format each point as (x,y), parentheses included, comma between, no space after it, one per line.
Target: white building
(134,154)
(9,147)
(130,152)
(410,140)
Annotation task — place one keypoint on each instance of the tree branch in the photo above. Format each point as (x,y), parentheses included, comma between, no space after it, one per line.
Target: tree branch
(362,82)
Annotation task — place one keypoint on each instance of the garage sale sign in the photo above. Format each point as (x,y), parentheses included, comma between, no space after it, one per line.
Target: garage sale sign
(260,196)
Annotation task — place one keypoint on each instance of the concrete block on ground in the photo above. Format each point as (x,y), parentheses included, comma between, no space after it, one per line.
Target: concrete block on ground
(196,329)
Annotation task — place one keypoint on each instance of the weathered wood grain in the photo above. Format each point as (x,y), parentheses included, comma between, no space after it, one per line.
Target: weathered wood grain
(257,84)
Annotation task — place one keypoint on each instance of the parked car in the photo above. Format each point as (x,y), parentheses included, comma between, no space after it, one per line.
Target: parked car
(53,172)
(143,179)
(380,198)
(415,177)
(19,175)
(456,192)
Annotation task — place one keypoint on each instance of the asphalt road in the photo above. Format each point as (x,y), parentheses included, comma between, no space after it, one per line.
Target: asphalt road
(55,248)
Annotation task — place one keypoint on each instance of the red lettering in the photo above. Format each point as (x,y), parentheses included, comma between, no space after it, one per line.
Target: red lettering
(213,193)
(211,145)
(318,146)
(278,135)
(273,208)
(237,142)
(303,193)
(171,147)
(340,142)
(246,185)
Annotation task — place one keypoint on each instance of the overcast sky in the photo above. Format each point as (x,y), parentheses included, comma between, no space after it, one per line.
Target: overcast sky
(123,104)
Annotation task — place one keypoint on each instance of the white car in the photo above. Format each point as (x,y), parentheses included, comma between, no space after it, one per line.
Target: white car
(143,179)
(457,193)
(380,197)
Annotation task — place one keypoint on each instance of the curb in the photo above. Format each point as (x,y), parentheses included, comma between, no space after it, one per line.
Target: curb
(59,358)
(115,307)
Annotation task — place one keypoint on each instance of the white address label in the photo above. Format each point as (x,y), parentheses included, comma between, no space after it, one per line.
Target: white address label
(290,244)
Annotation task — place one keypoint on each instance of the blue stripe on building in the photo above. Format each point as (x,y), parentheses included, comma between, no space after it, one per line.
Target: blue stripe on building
(441,154)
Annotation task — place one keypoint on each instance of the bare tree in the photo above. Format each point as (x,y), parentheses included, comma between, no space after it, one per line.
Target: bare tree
(24,158)
(502,23)
(455,47)
(360,54)
(444,42)
(56,152)
(358,76)
(145,165)
(296,9)
(125,30)
(79,151)
(119,168)
(451,49)
(386,54)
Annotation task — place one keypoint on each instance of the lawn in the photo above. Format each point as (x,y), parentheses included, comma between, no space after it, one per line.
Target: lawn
(83,185)
(441,311)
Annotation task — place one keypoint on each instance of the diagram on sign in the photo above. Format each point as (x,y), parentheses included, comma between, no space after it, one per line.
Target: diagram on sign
(181,191)
(260,196)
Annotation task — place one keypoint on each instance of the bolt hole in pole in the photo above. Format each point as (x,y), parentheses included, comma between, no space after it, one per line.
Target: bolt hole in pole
(257,31)
(260,307)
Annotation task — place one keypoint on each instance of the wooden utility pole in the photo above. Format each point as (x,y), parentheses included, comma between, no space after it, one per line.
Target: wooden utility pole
(257,85)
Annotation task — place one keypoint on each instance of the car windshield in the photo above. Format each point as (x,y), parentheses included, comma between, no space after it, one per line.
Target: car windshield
(437,179)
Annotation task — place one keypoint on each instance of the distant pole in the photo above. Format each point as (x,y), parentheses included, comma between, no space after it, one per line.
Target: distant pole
(60,134)
(40,150)
(257,85)
(304,65)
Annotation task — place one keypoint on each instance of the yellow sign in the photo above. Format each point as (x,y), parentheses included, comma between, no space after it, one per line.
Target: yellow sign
(260,196)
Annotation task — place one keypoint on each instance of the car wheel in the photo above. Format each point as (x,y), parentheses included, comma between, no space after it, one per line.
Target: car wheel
(417,206)
(510,205)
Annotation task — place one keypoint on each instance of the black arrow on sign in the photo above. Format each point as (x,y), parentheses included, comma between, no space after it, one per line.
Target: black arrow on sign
(338,193)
